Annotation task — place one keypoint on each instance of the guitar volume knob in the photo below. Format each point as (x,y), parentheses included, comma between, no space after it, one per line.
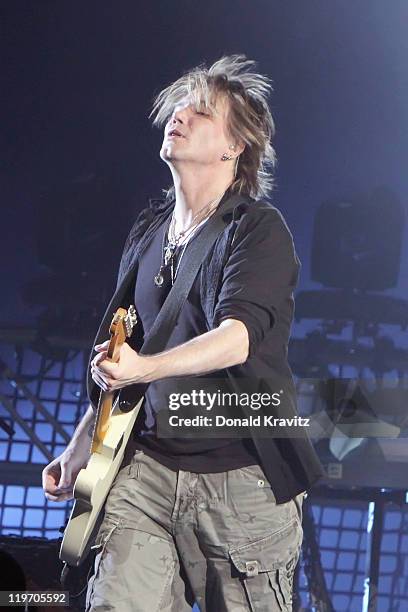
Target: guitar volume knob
(125,405)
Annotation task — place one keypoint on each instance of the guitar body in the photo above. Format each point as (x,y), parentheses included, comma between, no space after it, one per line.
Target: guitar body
(93,485)
(113,428)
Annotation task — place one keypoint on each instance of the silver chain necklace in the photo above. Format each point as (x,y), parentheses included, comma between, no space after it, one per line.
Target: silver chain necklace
(175,240)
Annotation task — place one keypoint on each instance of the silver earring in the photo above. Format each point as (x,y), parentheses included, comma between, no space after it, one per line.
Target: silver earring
(225,157)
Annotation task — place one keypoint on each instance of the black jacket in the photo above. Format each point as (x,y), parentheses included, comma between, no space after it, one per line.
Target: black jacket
(250,274)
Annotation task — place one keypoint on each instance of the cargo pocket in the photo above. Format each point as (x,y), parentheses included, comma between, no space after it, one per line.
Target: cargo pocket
(101,542)
(266,567)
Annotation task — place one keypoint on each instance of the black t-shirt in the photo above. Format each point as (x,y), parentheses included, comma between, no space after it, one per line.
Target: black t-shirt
(204,455)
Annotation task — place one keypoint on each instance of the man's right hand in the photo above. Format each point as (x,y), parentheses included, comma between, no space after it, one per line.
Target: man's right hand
(58,477)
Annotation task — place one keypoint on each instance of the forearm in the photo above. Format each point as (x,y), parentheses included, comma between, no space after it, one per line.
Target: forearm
(223,347)
(84,431)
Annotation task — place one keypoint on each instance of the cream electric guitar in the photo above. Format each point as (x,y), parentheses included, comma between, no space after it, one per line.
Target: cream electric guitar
(111,434)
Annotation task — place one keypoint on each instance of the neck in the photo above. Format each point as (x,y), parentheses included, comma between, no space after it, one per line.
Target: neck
(193,194)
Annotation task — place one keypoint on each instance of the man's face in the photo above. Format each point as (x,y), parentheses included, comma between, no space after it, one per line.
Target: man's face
(203,133)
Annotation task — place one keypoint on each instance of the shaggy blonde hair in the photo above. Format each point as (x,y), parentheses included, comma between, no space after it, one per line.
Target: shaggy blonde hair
(249,119)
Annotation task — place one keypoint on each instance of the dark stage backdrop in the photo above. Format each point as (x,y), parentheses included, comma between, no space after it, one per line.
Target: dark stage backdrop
(78,80)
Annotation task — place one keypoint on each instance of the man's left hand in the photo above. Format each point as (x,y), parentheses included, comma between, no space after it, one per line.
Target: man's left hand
(130,369)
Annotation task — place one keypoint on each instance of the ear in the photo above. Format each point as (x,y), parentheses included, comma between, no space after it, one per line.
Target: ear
(238,148)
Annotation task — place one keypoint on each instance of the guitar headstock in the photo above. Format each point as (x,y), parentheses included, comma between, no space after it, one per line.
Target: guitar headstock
(121,328)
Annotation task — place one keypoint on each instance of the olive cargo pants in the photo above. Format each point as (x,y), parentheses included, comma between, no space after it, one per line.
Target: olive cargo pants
(169,539)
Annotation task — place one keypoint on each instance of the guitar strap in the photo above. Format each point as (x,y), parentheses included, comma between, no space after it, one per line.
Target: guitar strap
(196,252)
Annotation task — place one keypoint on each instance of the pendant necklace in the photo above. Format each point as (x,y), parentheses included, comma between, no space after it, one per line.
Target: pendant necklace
(159,277)
(175,240)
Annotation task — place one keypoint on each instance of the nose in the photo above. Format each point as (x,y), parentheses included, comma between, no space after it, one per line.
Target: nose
(175,120)
(179,114)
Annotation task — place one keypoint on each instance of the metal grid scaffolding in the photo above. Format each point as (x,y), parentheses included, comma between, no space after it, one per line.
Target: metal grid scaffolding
(341,527)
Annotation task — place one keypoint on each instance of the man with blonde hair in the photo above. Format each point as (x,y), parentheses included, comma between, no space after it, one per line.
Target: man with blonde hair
(212,520)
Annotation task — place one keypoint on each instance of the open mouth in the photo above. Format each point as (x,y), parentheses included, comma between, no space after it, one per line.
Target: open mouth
(175,134)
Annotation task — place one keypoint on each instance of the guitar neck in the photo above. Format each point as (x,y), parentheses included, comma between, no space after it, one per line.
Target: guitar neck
(102,420)
(121,328)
